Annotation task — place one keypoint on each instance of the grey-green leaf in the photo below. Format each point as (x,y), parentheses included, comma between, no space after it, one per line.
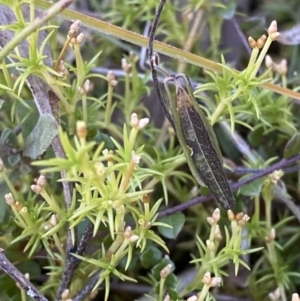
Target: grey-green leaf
(176,220)
(292,148)
(41,136)
(253,188)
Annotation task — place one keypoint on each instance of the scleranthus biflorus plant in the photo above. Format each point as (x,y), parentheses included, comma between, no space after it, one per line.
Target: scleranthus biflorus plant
(96,197)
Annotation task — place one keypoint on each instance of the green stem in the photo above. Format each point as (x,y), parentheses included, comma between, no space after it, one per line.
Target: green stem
(161,289)
(17,196)
(261,56)
(108,106)
(218,111)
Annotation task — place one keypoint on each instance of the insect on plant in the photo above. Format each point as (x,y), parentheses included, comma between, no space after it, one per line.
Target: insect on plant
(193,130)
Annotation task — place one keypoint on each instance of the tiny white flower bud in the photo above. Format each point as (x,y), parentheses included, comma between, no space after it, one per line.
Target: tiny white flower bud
(87,86)
(65,294)
(272,234)
(215,281)
(216,215)
(79,38)
(53,220)
(239,216)
(272,28)
(41,181)
(166,271)
(75,26)
(192,298)
(9,199)
(283,67)
(167,298)
(142,123)
(125,66)
(261,41)
(128,232)
(274,36)
(252,42)
(210,220)
(134,121)
(136,159)
(268,61)
(133,238)
(230,215)
(36,188)
(110,76)
(295,297)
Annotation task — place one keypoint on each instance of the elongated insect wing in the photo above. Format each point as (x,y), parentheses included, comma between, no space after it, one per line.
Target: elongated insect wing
(204,154)
(177,128)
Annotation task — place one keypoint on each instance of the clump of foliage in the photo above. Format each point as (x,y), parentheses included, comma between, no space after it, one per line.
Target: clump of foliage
(95,192)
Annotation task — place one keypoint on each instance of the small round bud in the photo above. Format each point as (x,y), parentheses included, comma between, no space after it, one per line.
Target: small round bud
(9,199)
(210,220)
(87,86)
(74,29)
(216,215)
(125,66)
(295,297)
(274,296)
(239,216)
(142,123)
(27,276)
(134,121)
(192,298)
(272,233)
(128,232)
(167,298)
(230,215)
(166,271)
(274,36)
(133,238)
(81,130)
(261,41)
(283,67)
(252,42)
(268,61)
(65,294)
(272,28)
(135,158)
(215,281)
(79,38)
(110,76)
(41,181)
(53,220)
(36,188)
